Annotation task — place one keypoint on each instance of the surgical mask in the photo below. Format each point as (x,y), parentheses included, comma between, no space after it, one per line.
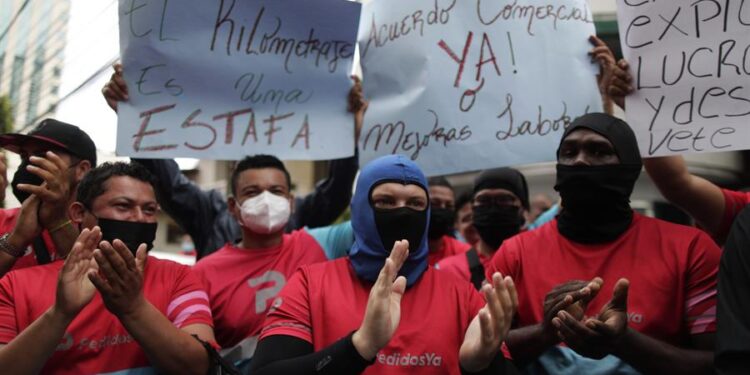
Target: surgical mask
(496,223)
(132,233)
(22,176)
(401,223)
(266,213)
(442,221)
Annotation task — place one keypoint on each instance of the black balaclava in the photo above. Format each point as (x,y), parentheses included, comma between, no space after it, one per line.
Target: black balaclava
(442,220)
(596,199)
(496,223)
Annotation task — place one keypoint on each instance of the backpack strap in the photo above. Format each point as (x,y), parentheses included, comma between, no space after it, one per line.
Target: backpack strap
(475,268)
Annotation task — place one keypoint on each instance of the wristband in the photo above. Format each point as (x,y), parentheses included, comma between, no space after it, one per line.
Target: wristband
(6,247)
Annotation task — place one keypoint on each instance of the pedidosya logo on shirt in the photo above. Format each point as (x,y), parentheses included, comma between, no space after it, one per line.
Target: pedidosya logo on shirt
(408,359)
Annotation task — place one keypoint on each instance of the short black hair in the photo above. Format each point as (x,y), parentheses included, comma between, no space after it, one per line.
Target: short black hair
(93,184)
(259,161)
(439,181)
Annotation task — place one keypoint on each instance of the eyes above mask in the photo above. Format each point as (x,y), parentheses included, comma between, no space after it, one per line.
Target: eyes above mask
(265,213)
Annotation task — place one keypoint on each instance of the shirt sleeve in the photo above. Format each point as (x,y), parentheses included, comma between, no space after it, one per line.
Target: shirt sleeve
(336,240)
(189,304)
(8,325)
(290,313)
(703,269)
(734,202)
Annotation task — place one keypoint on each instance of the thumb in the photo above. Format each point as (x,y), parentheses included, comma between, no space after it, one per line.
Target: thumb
(620,295)
(399,286)
(141,255)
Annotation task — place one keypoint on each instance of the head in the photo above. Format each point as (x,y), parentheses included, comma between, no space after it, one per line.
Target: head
(598,163)
(501,198)
(261,198)
(443,207)
(464,222)
(390,203)
(120,198)
(69,142)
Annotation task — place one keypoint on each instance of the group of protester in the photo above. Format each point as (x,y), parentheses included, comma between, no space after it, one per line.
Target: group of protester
(417,282)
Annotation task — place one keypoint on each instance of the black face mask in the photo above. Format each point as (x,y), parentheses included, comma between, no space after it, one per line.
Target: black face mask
(132,233)
(596,201)
(496,223)
(398,224)
(442,221)
(22,176)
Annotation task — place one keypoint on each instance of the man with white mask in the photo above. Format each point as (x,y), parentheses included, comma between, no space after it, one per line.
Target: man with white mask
(242,279)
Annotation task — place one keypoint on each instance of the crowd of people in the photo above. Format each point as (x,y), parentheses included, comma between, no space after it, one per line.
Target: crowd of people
(419,281)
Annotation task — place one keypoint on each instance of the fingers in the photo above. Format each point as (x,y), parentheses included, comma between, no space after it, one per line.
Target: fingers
(620,295)
(111,265)
(399,287)
(125,254)
(596,42)
(594,286)
(100,283)
(486,326)
(141,255)
(399,254)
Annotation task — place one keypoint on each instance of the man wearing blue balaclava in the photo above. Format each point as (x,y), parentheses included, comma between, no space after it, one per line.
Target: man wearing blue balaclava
(375,311)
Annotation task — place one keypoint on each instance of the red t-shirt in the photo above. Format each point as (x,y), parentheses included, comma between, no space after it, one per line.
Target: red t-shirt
(672,271)
(96,341)
(459,265)
(451,246)
(324,302)
(8,218)
(241,284)
(734,202)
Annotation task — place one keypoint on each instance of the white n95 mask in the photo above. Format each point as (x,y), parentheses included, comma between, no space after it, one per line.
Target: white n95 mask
(265,213)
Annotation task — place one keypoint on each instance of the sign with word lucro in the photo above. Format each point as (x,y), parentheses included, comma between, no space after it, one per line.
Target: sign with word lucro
(222,79)
(460,85)
(690,63)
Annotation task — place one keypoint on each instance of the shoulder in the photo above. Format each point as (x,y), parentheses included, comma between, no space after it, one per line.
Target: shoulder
(8,218)
(667,230)
(164,267)
(217,257)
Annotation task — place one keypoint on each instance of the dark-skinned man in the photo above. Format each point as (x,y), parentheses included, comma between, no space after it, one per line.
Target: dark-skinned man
(624,293)
(442,222)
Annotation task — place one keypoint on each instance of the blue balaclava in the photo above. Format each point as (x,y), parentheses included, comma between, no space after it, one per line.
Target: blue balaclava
(372,227)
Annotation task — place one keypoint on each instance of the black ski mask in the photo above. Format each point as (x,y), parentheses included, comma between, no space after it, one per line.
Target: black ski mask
(132,233)
(395,224)
(442,221)
(596,199)
(496,223)
(22,176)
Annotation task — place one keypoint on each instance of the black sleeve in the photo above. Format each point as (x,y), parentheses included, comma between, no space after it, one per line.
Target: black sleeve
(330,198)
(280,354)
(733,331)
(499,366)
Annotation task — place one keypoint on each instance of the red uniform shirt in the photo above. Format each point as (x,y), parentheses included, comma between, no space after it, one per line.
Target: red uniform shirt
(672,271)
(451,246)
(324,302)
(96,342)
(8,219)
(459,265)
(241,284)
(734,202)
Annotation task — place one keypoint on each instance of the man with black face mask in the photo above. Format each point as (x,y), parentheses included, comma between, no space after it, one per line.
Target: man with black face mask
(108,307)
(441,242)
(54,158)
(501,196)
(668,323)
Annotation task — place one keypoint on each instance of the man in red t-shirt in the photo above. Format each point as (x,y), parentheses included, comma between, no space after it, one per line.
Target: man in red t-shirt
(54,158)
(499,204)
(661,316)
(105,309)
(441,242)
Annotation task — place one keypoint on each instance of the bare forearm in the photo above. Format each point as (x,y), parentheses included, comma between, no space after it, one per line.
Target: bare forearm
(169,349)
(651,356)
(526,344)
(30,350)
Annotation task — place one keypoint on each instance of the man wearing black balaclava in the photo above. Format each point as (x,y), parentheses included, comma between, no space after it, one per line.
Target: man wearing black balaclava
(499,201)
(55,156)
(440,238)
(603,289)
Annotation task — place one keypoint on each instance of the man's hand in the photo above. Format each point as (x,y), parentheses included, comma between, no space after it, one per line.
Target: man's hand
(621,83)
(573,297)
(490,327)
(383,306)
(357,106)
(120,277)
(606,59)
(115,90)
(54,192)
(74,290)
(597,337)
(27,225)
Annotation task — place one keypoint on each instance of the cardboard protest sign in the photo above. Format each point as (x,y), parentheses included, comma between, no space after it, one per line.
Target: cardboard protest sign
(690,62)
(468,85)
(224,79)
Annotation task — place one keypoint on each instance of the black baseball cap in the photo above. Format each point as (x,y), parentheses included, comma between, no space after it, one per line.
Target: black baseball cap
(56,134)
